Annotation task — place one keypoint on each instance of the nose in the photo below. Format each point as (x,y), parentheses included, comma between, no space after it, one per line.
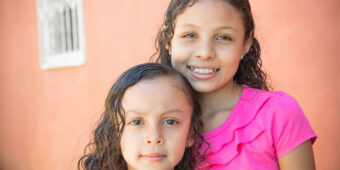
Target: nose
(206,49)
(154,136)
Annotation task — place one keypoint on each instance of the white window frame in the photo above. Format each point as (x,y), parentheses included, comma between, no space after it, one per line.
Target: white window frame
(61,33)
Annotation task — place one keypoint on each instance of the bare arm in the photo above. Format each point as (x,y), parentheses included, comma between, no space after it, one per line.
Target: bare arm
(300,158)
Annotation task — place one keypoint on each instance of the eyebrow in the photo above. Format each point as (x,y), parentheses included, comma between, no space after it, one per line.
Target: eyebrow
(187,25)
(166,112)
(173,111)
(227,27)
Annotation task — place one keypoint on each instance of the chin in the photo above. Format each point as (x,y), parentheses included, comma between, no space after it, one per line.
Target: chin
(203,89)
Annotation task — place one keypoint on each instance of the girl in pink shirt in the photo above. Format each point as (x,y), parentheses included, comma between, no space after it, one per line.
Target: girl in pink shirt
(212,43)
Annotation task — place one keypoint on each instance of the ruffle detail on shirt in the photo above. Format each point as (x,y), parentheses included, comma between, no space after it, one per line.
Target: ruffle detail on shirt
(227,147)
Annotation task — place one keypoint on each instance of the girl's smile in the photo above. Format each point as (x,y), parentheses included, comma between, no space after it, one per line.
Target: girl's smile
(203,72)
(208,51)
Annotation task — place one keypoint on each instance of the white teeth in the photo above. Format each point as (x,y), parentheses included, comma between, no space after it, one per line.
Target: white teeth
(203,70)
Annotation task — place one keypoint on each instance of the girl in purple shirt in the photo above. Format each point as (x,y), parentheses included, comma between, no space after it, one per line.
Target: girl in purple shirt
(212,43)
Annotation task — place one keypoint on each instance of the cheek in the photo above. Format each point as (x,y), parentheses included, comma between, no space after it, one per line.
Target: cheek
(178,143)
(182,135)
(128,141)
(177,65)
(180,51)
(230,57)
(123,144)
(230,50)
(179,59)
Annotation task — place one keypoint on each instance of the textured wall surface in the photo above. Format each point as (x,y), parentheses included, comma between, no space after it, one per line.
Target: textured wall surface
(46,116)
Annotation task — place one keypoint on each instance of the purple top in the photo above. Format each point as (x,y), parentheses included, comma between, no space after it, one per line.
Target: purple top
(261,128)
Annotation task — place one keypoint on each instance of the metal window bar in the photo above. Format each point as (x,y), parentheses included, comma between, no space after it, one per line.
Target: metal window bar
(60,31)
(61,22)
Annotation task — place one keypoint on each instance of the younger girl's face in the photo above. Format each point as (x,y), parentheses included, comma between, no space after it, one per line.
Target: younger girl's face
(208,43)
(157,123)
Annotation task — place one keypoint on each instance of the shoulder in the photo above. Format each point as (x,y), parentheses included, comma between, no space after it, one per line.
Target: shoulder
(285,106)
(274,109)
(280,116)
(284,100)
(273,101)
(278,96)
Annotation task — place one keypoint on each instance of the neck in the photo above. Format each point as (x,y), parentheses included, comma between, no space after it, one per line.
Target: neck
(222,99)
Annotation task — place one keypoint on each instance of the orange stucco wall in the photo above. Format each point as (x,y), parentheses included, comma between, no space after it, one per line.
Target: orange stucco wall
(46,115)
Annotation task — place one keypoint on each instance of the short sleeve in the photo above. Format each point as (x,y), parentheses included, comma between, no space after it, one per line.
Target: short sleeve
(290,127)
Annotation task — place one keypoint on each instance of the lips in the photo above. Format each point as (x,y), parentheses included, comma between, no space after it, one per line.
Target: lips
(201,70)
(203,73)
(153,157)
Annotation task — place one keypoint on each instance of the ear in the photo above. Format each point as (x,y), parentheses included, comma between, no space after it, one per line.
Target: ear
(190,141)
(168,46)
(169,49)
(246,46)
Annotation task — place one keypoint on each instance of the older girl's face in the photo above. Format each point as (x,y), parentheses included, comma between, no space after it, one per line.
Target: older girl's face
(207,44)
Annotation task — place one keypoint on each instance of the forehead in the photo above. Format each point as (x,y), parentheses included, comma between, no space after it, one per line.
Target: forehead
(157,94)
(210,13)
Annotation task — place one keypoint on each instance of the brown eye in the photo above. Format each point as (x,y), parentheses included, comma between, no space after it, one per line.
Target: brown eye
(190,35)
(136,122)
(170,122)
(223,38)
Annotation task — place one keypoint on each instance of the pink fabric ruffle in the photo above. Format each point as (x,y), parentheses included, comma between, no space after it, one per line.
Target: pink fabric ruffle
(229,137)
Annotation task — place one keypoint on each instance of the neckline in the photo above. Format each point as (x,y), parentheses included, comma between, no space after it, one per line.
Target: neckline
(229,119)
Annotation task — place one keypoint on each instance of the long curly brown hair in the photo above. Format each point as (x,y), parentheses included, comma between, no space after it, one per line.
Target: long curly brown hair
(104,152)
(250,68)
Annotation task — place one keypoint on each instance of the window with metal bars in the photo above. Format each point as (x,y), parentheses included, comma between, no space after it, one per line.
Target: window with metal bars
(61,33)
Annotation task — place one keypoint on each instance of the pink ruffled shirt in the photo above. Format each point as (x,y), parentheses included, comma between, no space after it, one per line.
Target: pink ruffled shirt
(262,127)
